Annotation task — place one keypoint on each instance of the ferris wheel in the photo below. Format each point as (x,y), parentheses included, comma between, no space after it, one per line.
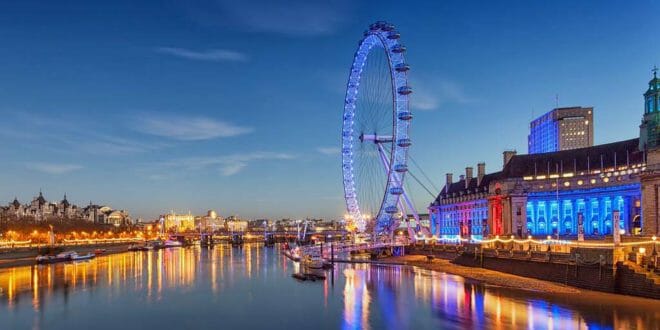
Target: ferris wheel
(375,138)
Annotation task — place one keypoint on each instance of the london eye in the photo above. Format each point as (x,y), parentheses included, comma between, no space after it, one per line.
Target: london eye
(375,140)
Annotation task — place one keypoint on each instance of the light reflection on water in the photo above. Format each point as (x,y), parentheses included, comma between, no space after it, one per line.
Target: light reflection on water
(251,287)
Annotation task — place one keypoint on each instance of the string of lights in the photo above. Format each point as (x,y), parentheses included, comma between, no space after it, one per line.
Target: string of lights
(548,241)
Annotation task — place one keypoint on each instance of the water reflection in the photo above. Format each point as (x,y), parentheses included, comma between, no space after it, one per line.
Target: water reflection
(250,287)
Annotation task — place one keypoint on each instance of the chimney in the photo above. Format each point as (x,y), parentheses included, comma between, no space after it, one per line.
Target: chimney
(507,155)
(481,171)
(449,179)
(461,177)
(468,176)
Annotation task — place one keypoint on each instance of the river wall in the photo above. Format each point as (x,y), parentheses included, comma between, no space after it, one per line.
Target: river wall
(593,269)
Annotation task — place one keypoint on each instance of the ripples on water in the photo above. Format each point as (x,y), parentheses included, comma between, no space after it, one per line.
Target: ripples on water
(251,287)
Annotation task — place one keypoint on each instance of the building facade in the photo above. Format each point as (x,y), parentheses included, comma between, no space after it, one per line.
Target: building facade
(586,190)
(649,141)
(561,129)
(40,209)
(178,222)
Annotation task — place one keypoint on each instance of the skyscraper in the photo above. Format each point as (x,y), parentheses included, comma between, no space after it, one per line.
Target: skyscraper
(561,129)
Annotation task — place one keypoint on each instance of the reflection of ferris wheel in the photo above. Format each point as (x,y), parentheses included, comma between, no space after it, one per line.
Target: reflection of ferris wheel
(375,137)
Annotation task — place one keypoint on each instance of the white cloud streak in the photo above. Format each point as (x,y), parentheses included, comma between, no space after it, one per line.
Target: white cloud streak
(290,17)
(189,129)
(330,151)
(227,165)
(217,55)
(433,94)
(52,168)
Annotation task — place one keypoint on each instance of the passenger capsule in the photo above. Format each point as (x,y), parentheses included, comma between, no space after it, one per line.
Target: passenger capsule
(391,209)
(401,168)
(405,90)
(388,27)
(403,143)
(396,190)
(393,35)
(398,48)
(402,67)
(406,115)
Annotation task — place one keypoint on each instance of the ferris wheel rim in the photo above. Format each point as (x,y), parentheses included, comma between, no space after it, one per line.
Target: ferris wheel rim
(379,34)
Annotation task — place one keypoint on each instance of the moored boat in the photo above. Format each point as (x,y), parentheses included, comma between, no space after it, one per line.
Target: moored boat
(63,256)
(77,256)
(172,243)
(315,262)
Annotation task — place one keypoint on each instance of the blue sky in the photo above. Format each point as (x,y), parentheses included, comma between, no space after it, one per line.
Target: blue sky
(236,105)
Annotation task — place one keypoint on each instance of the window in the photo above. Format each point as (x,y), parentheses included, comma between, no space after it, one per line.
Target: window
(650,104)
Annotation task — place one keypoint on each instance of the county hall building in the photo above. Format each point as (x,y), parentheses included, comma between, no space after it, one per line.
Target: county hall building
(553,193)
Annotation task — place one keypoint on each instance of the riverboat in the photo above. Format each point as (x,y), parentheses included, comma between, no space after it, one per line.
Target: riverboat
(172,243)
(76,256)
(60,257)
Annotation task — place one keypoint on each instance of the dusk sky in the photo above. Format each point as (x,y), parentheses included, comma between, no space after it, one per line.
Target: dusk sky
(236,105)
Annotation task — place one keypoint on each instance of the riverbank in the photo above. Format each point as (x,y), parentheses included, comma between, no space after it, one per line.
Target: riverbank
(484,275)
(26,257)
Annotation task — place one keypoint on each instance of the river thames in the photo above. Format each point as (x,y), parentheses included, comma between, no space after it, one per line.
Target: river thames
(251,288)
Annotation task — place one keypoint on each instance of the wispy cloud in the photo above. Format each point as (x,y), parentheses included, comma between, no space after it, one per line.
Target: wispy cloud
(292,17)
(71,135)
(52,168)
(188,129)
(227,165)
(432,94)
(219,55)
(330,151)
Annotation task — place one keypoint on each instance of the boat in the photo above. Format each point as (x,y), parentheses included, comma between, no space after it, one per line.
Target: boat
(134,247)
(49,259)
(308,276)
(172,243)
(44,259)
(293,254)
(315,262)
(77,256)
(66,254)
(99,251)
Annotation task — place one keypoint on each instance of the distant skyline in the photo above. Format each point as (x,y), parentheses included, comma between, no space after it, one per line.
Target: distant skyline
(236,106)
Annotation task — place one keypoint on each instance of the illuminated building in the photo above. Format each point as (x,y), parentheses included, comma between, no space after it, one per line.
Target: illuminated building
(233,223)
(561,129)
(552,193)
(179,222)
(649,141)
(210,221)
(40,209)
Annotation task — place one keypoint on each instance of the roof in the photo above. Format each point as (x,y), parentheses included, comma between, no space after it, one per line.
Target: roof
(575,160)
(41,198)
(459,186)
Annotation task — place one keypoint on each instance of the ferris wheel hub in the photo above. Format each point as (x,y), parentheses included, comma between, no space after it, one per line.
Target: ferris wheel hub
(375,138)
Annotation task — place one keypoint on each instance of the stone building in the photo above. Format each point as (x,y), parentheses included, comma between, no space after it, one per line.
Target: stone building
(40,209)
(560,193)
(649,141)
(178,222)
